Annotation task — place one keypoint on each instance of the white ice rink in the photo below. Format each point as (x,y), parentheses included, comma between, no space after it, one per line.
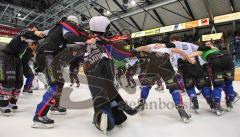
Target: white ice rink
(154,122)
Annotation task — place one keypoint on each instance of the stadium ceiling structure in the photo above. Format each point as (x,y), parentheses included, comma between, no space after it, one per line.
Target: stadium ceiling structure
(135,15)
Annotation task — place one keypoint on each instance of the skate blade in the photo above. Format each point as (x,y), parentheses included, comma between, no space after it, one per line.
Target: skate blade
(57,113)
(228,109)
(186,120)
(219,113)
(42,126)
(196,111)
(213,110)
(6,114)
(237,98)
(104,123)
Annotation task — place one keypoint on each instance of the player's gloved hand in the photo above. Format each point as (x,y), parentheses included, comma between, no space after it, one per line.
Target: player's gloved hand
(36,74)
(37,70)
(170,45)
(134,52)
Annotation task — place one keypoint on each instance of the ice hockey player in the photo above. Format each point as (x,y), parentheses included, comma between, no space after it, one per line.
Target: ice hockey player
(74,69)
(131,65)
(11,69)
(109,106)
(27,70)
(221,70)
(121,69)
(50,57)
(193,74)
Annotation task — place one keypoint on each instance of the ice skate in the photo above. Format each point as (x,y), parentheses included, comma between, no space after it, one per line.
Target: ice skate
(42,122)
(237,97)
(13,107)
(58,111)
(183,114)
(195,105)
(71,84)
(78,85)
(210,103)
(104,123)
(5,111)
(218,109)
(229,105)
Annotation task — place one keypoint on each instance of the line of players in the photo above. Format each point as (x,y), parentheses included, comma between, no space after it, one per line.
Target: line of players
(214,74)
(67,40)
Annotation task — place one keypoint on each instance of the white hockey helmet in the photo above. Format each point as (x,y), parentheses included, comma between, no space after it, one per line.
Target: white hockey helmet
(99,23)
(73,19)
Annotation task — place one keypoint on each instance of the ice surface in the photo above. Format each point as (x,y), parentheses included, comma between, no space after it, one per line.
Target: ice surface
(153,122)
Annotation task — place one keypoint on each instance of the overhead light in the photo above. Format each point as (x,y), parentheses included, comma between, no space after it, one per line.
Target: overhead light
(133,2)
(19,14)
(107,13)
(127,3)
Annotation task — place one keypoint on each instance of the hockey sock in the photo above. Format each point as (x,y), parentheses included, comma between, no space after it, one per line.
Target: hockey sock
(191,92)
(28,83)
(44,106)
(177,98)
(145,92)
(229,91)
(206,92)
(216,94)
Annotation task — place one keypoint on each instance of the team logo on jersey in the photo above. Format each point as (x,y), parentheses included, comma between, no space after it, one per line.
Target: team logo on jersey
(95,54)
(184,47)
